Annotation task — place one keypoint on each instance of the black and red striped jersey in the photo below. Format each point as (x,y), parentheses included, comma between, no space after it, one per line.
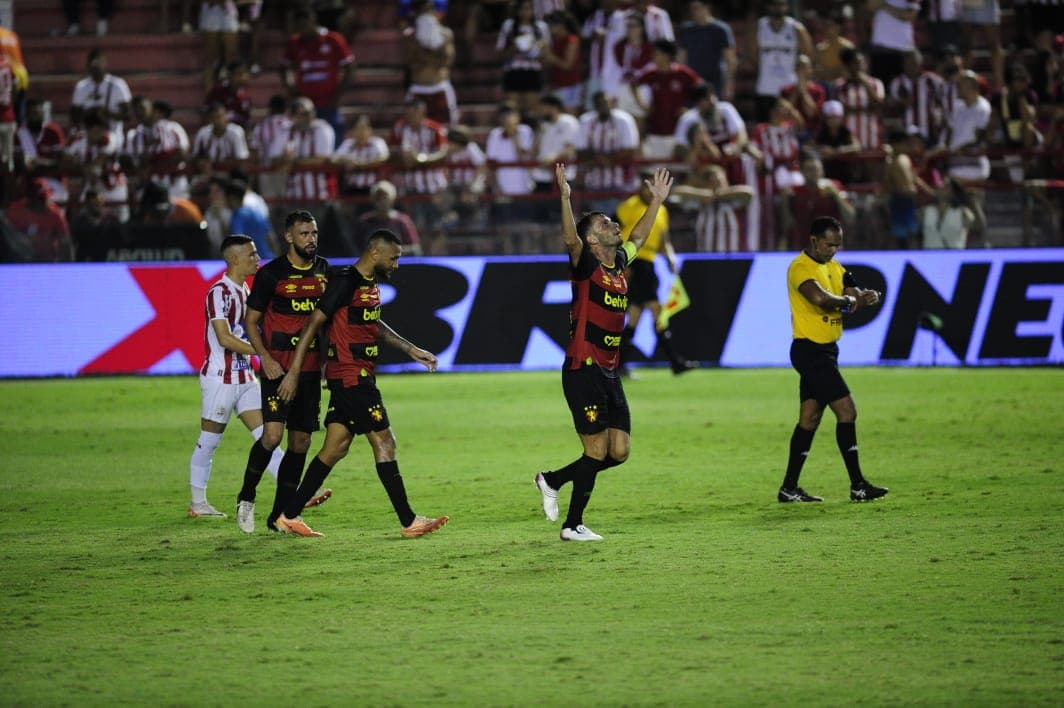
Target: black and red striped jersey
(596,316)
(353,304)
(286,295)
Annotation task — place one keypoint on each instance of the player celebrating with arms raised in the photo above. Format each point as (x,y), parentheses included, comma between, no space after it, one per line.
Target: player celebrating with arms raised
(820,292)
(598,257)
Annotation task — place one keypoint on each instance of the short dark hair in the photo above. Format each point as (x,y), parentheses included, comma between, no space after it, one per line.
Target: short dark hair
(235,189)
(277,104)
(299,216)
(383,235)
(163,108)
(584,225)
(702,91)
(822,224)
(551,100)
(232,241)
(666,46)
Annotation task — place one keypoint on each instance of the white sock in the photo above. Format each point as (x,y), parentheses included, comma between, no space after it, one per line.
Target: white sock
(278,453)
(200,466)
(199,495)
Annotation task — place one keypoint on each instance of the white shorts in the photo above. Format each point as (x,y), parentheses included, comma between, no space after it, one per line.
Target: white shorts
(218,18)
(221,399)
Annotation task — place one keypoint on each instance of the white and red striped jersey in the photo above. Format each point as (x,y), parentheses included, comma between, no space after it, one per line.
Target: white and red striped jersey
(862,118)
(109,94)
(616,133)
(226,300)
(372,152)
(106,171)
(269,139)
(230,145)
(779,143)
(657,22)
(152,144)
(718,228)
(923,99)
(429,137)
(317,140)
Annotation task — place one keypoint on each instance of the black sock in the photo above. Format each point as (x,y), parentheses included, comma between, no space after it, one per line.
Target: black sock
(258,459)
(609,462)
(627,348)
(801,439)
(557,478)
(665,342)
(583,485)
(317,471)
(288,475)
(846,437)
(388,472)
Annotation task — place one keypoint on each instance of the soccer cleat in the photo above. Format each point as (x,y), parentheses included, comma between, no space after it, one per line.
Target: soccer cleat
(797,494)
(320,498)
(866,491)
(245,516)
(683,366)
(422,525)
(580,533)
(198,509)
(296,527)
(550,497)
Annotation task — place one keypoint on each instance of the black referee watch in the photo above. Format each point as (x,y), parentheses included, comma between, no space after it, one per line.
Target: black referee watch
(850,306)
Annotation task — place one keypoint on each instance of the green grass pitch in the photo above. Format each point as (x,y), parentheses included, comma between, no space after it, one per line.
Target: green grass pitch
(704,592)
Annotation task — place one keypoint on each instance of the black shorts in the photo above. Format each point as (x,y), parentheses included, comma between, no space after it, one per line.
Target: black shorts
(596,400)
(301,413)
(642,282)
(522,81)
(359,408)
(818,366)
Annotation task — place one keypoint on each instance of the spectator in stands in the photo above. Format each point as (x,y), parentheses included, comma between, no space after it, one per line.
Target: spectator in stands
(718,227)
(807,96)
(219,146)
(943,20)
(951,68)
(630,54)
(358,154)
(521,43)
(828,50)
(231,91)
(606,144)
(510,141)
(834,141)
(720,119)
(777,140)
(318,65)
(249,221)
(72,12)
(249,14)
(903,186)
(41,142)
(310,149)
(217,215)
(657,20)
(563,60)
(707,45)
(269,140)
(862,96)
(93,225)
(983,17)
(1014,118)
(778,42)
(420,145)
(555,143)
(218,23)
(917,94)
(101,90)
(384,215)
(947,221)
(95,154)
(892,35)
(430,59)
(156,149)
(42,222)
(601,32)
(8,117)
(157,206)
(670,87)
(459,203)
(817,196)
(964,141)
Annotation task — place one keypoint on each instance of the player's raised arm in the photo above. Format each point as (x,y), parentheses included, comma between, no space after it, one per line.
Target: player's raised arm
(659,185)
(573,244)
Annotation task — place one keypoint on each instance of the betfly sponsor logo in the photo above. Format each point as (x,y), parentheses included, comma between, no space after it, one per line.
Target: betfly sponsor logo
(305,305)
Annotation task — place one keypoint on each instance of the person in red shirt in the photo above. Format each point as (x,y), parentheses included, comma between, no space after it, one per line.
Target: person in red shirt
(817,197)
(563,60)
(232,93)
(42,222)
(318,64)
(670,89)
(807,96)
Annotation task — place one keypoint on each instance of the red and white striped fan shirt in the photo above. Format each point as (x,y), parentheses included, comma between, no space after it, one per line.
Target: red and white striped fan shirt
(426,138)
(270,137)
(924,98)
(373,151)
(718,228)
(317,140)
(226,300)
(778,142)
(151,144)
(230,145)
(617,133)
(862,118)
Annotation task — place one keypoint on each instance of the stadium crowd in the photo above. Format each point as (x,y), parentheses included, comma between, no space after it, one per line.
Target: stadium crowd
(809,109)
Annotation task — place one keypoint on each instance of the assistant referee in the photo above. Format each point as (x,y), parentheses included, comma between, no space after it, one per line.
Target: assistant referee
(820,291)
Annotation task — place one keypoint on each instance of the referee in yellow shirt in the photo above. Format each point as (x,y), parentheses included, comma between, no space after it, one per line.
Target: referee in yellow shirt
(820,291)
(643,280)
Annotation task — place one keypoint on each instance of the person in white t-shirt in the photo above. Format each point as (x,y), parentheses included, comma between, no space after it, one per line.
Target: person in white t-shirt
(510,141)
(555,142)
(104,91)
(227,381)
(948,220)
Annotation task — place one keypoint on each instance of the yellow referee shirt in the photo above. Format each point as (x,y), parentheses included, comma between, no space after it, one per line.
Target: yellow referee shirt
(807,320)
(629,213)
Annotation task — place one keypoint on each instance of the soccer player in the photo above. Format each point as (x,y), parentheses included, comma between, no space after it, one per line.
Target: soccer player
(285,292)
(352,308)
(820,291)
(227,380)
(598,257)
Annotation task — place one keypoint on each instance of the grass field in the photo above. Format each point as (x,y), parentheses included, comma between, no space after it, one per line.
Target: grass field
(704,592)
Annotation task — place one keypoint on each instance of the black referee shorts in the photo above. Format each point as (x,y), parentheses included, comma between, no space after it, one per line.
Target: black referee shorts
(642,282)
(818,368)
(596,400)
(299,414)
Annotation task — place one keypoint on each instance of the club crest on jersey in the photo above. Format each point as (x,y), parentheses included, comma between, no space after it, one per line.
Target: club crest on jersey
(376,413)
(273,404)
(591,413)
